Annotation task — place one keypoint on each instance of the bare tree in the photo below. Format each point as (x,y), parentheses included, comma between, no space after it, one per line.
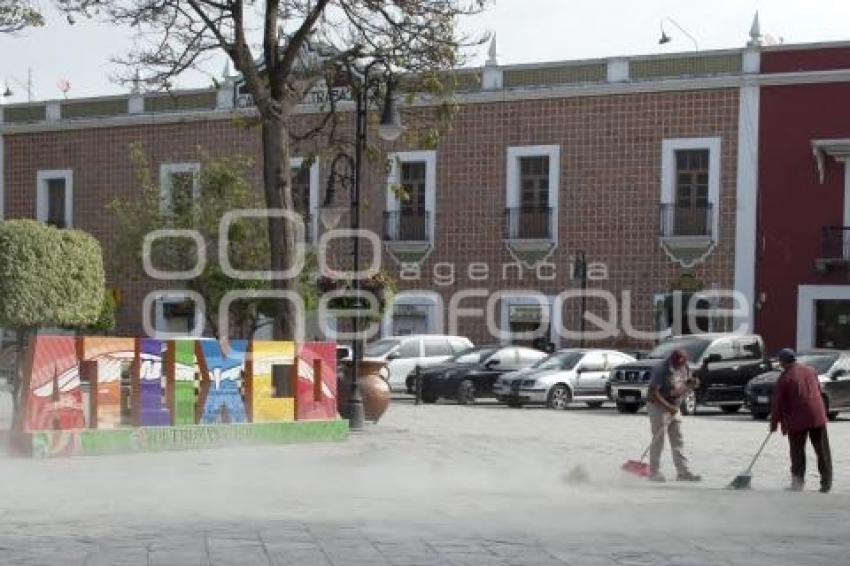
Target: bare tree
(272,45)
(16,15)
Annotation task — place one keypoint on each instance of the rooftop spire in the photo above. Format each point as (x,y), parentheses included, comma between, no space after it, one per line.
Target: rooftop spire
(492,59)
(755,32)
(137,83)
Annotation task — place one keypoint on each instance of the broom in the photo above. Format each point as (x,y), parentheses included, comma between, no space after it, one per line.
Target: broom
(743,481)
(640,468)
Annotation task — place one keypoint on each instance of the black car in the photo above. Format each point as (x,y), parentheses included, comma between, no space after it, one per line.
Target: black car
(472,373)
(833,369)
(724,363)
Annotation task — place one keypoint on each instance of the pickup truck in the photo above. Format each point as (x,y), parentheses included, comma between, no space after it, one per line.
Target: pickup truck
(724,363)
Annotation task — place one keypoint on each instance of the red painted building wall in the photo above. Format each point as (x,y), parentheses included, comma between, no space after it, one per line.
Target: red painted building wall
(793,204)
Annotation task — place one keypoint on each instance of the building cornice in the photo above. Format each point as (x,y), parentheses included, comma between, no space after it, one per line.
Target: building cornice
(477,97)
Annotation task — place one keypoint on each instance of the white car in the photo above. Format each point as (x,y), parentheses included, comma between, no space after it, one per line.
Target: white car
(561,378)
(402,354)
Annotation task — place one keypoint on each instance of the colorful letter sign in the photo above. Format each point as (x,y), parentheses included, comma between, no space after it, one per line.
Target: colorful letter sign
(108,383)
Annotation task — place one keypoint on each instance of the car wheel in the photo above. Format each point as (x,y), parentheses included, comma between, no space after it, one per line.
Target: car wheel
(559,397)
(595,404)
(429,398)
(466,392)
(689,404)
(831,415)
(759,415)
(730,408)
(628,408)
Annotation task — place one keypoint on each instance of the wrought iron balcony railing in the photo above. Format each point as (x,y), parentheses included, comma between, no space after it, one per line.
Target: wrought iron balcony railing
(677,220)
(526,223)
(402,226)
(835,242)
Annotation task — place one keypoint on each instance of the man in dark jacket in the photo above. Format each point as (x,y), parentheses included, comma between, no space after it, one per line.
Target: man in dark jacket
(798,406)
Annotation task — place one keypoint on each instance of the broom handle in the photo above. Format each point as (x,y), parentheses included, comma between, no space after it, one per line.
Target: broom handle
(756,457)
(655,437)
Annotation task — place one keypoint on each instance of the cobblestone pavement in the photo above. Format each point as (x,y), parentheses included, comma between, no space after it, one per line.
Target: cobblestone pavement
(300,544)
(442,485)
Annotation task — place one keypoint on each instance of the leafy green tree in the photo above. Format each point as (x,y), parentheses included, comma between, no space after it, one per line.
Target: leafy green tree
(48,278)
(284,49)
(222,187)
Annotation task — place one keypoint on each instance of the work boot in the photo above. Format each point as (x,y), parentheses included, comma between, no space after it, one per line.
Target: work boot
(688,476)
(796,484)
(825,487)
(657,477)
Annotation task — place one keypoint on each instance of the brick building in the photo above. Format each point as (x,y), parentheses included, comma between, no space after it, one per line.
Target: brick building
(645,165)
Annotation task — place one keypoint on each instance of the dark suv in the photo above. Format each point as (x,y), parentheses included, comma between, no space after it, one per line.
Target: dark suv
(724,363)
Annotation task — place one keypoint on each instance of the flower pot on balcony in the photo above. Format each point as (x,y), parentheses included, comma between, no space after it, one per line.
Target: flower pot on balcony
(374,390)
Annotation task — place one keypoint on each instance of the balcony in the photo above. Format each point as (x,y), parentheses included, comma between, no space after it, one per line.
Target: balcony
(406,227)
(687,233)
(528,224)
(686,221)
(407,235)
(834,247)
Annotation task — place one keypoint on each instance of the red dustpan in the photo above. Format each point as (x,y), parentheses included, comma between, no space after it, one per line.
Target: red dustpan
(640,467)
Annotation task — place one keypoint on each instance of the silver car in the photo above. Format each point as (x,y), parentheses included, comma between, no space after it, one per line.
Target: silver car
(561,378)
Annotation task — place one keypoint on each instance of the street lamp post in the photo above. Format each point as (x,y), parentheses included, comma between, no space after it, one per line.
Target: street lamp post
(581,272)
(390,129)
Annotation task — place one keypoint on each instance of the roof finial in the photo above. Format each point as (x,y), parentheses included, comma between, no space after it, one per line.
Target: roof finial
(755,33)
(225,74)
(137,82)
(492,59)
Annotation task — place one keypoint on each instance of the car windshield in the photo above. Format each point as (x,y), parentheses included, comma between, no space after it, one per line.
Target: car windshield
(380,348)
(563,360)
(693,348)
(821,362)
(473,355)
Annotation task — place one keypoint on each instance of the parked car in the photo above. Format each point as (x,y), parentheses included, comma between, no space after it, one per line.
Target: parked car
(473,373)
(403,353)
(561,378)
(724,363)
(833,369)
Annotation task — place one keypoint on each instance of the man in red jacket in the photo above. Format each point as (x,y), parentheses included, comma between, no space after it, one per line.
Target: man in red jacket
(798,405)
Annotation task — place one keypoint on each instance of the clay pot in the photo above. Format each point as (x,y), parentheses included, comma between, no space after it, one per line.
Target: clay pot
(375,391)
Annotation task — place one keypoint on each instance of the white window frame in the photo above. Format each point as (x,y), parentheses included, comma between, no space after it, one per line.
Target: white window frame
(669,147)
(512,186)
(430,299)
(519,298)
(166,170)
(429,157)
(313,228)
(42,177)
(806,297)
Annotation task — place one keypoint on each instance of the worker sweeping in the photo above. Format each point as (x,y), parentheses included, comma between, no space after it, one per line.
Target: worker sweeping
(669,384)
(798,406)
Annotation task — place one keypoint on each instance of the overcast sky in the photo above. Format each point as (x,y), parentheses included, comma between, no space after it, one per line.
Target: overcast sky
(527,31)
